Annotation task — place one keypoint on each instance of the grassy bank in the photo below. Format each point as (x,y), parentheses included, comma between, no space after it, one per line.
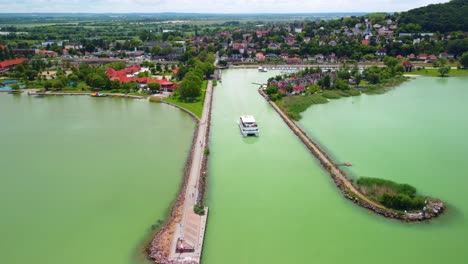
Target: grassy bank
(435,72)
(294,105)
(384,87)
(195,107)
(391,194)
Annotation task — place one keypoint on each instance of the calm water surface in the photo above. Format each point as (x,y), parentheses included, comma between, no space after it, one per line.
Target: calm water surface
(83,179)
(270,202)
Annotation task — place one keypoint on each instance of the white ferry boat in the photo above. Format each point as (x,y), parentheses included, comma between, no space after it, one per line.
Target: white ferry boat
(262,69)
(248,126)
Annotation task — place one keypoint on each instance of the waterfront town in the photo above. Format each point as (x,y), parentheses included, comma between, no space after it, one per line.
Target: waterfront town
(164,56)
(353,39)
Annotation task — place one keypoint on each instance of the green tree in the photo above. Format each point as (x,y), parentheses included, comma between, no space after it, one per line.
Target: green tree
(74,79)
(57,84)
(327,81)
(341,84)
(313,88)
(116,65)
(47,85)
(357,78)
(444,70)
(344,74)
(464,60)
(15,87)
(189,90)
(390,62)
(154,86)
(96,81)
(271,90)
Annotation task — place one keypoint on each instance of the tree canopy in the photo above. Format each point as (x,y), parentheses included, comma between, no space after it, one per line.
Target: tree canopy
(445,17)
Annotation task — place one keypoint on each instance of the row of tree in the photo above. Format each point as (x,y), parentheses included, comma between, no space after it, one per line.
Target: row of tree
(192,75)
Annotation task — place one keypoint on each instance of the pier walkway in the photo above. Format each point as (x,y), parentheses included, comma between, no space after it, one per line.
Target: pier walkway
(191,230)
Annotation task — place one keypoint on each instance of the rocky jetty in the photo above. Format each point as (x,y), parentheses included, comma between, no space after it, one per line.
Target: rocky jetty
(432,209)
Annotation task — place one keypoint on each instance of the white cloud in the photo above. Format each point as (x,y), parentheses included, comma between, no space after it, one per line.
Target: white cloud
(213,6)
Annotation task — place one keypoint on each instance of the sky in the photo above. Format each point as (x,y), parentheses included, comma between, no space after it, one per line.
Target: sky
(209,6)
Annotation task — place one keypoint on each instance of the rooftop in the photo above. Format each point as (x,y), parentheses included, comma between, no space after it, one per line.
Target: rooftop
(248,119)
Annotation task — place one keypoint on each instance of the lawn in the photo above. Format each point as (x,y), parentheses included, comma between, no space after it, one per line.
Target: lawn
(195,107)
(293,106)
(435,72)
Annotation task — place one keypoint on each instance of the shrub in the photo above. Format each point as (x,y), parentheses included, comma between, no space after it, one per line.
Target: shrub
(331,95)
(391,194)
(155,99)
(354,92)
(199,209)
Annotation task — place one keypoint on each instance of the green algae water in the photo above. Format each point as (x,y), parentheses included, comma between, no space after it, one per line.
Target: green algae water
(82,180)
(270,201)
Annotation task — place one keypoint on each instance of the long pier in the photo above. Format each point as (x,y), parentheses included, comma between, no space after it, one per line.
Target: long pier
(181,239)
(433,208)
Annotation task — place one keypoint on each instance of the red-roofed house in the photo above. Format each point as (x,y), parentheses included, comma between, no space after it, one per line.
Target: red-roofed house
(432,57)
(48,53)
(399,56)
(422,56)
(294,61)
(298,89)
(365,42)
(407,65)
(175,71)
(259,56)
(284,55)
(121,76)
(4,65)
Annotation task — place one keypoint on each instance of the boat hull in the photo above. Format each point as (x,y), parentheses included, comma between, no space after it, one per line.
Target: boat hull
(247,133)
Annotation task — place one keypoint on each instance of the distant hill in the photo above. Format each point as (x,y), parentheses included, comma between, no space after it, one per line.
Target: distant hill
(447,17)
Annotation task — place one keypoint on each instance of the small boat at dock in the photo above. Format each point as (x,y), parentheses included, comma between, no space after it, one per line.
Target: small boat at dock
(96,94)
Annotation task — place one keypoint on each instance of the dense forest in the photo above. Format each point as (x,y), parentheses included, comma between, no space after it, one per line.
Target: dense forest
(443,18)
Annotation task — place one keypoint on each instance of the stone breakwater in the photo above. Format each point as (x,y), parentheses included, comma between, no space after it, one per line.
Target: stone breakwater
(204,167)
(159,248)
(432,209)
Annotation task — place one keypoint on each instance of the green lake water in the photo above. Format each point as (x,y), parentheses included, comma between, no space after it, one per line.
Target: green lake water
(82,180)
(270,201)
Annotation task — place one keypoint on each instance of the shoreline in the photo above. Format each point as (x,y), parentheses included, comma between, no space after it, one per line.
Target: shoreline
(344,183)
(119,95)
